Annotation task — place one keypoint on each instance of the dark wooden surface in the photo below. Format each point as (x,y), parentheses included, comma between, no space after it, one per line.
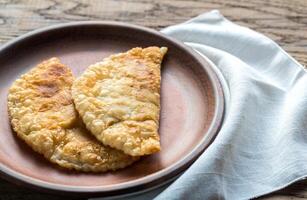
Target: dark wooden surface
(285,21)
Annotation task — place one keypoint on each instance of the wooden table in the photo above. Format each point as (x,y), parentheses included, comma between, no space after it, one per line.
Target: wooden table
(285,21)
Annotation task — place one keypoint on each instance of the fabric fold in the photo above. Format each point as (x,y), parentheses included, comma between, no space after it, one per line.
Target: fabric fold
(262,143)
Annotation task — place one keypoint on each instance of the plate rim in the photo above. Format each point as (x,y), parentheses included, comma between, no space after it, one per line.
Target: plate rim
(150,180)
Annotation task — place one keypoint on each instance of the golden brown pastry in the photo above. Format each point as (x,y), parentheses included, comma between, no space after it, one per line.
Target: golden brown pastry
(43,115)
(119,100)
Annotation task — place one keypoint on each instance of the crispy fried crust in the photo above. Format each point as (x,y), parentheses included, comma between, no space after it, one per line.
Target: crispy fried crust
(119,100)
(43,115)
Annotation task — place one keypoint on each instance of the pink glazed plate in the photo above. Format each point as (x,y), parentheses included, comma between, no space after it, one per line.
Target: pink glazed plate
(192,107)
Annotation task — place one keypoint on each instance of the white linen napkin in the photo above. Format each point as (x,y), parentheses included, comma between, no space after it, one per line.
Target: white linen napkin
(262,145)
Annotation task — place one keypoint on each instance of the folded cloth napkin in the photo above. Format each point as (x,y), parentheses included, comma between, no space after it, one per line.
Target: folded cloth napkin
(262,145)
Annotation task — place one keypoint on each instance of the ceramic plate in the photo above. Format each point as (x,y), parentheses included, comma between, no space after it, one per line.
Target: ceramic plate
(192,106)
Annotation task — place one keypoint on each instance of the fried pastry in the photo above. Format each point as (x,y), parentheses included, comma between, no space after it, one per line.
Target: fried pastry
(42,113)
(119,100)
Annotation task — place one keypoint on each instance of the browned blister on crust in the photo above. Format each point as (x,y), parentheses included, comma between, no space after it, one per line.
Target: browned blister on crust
(119,100)
(42,113)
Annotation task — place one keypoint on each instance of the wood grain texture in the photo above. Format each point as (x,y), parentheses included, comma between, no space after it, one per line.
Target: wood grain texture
(284,21)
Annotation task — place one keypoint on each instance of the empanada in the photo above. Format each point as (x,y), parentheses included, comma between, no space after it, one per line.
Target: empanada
(43,115)
(119,100)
